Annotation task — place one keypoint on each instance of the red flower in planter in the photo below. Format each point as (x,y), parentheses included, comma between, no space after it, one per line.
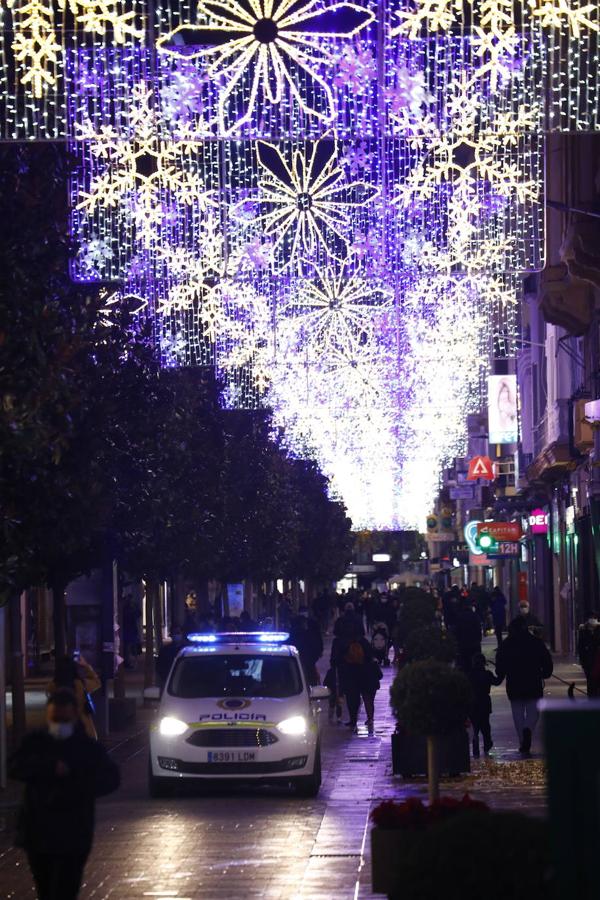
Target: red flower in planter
(412,813)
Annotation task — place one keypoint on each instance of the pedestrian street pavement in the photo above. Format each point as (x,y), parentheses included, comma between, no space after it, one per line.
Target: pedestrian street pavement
(259,842)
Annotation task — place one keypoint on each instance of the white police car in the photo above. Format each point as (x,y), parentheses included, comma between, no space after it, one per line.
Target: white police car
(237,706)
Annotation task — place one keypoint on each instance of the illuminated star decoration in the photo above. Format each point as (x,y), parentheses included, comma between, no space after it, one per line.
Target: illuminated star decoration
(309,202)
(258,48)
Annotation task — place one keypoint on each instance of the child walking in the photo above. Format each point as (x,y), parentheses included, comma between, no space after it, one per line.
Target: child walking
(481,682)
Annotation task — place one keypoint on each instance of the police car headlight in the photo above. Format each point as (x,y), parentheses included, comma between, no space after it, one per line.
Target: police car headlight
(295,725)
(171,727)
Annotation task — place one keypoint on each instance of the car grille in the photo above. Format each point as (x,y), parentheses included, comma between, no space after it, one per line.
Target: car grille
(232,737)
(239,768)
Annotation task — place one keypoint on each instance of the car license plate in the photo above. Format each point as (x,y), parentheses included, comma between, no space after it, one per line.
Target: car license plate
(231,756)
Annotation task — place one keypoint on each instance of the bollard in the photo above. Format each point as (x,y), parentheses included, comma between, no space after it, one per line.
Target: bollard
(572,742)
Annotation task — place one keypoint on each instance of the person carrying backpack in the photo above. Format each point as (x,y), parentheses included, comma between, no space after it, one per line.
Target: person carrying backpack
(359,676)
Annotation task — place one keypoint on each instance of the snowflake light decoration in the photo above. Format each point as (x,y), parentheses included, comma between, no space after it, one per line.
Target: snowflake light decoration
(35,45)
(309,202)
(256,50)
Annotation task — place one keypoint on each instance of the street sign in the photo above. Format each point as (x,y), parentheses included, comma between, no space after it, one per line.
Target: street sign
(462,492)
(480,467)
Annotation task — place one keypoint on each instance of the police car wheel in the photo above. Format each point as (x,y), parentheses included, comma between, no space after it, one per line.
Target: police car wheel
(309,785)
(158,787)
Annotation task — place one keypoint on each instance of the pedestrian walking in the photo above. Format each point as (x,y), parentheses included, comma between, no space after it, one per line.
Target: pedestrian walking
(359,676)
(481,707)
(74,674)
(64,771)
(498,610)
(348,623)
(305,635)
(533,623)
(525,662)
(588,645)
(467,631)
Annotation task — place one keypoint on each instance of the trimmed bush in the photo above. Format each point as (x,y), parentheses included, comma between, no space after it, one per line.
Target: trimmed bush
(430,642)
(430,698)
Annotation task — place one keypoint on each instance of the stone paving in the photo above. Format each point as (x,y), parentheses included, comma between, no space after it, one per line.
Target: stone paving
(240,843)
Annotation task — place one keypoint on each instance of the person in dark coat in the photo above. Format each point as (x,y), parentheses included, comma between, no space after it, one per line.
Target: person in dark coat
(64,771)
(481,707)
(451,605)
(498,610)
(305,635)
(524,660)
(533,623)
(588,645)
(359,675)
(348,623)
(467,631)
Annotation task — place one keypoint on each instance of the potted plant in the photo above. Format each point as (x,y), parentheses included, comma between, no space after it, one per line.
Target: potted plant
(430,642)
(418,851)
(431,702)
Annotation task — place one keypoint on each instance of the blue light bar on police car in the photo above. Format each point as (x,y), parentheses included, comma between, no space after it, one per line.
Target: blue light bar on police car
(241,637)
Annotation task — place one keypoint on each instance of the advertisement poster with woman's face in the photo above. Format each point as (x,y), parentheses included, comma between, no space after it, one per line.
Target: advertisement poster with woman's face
(503,419)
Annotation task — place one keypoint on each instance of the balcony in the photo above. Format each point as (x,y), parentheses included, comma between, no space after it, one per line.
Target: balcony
(551,444)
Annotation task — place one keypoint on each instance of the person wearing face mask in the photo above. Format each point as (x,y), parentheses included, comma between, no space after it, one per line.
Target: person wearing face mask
(64,771)
(77,676)
(588,644)
(533,623)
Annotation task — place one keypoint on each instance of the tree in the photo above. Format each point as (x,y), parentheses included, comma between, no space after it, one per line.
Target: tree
(432,699)
(325,540)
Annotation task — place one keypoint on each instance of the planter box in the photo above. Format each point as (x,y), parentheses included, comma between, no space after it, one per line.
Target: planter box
(409,754)
(390,849)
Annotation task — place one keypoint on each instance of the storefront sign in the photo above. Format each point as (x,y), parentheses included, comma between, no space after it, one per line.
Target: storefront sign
(501,531)
(538,521)
(503,423)
(505,550)
(480,467)
(471,537)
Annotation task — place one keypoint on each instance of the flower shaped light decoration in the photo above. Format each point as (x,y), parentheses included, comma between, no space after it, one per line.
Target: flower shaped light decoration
(309,202)
(256,49)
(335,309)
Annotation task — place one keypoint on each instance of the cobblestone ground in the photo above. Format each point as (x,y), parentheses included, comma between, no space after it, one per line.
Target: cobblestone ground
(243,843)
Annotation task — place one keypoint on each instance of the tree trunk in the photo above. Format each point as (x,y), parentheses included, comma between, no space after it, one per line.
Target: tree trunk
(157,610)
(433,772)
(59,616)
(19,722)
(149,634)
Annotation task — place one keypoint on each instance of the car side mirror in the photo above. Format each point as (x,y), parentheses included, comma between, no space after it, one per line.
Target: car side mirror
(319,692)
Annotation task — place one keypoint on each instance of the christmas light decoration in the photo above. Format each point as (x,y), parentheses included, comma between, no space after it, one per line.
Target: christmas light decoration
(328,201)
(308,202)
(258,50)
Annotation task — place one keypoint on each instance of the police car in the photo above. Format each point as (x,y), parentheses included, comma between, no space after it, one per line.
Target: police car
(237,706)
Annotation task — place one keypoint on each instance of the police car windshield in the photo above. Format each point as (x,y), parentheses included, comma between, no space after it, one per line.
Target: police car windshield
(237,675)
